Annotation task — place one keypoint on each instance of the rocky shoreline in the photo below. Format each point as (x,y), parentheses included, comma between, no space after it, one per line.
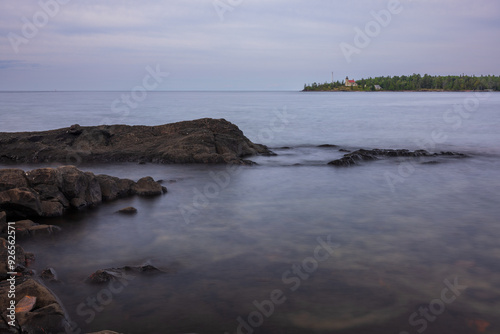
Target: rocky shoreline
(50,192)
(53,192)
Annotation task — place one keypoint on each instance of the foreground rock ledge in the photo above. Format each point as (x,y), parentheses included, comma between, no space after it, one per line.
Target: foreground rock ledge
(50,192)
(199,141)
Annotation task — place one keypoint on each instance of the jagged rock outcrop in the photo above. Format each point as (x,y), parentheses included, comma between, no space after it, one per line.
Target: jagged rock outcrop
(355,157)
(49,192)
(199,141)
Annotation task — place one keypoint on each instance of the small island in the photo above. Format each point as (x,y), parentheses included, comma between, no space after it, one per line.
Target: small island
(414,82)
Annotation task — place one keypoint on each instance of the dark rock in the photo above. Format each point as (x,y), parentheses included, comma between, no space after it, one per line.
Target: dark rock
(103,276)
(147,268)
(3,224)
(82,189)
(22,227)
(24,224)
(78,203)
(23,271)
(113,274)
(344,150)
(75,129)
(20,256)
(47,176)
(52,209)
(147,187)
(29,257)
(113,187)
(366,155)
(30,228)
(128,210)
(46,316)
(20,202)
(51,192)
(49,275)
(327,146)
(200,141)
(12,178)
(44,229)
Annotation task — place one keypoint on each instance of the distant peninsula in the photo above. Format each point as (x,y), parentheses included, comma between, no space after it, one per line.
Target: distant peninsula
(414,82)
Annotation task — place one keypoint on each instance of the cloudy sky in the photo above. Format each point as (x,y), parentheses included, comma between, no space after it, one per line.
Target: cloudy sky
(240,44)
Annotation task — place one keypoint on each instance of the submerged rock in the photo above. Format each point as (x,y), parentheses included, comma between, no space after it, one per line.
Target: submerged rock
(355,157)
(128,210)
(30,228)
(199,141)
(114,274)
(49,274)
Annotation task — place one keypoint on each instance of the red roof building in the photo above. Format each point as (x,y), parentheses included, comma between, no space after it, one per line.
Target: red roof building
(350,83)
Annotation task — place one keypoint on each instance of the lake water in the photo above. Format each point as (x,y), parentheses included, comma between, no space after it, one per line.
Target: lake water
(290,245)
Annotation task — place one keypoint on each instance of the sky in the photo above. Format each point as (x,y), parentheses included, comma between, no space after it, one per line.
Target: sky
(239,44)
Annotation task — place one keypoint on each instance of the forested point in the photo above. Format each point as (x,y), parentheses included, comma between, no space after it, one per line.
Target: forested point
(414,82)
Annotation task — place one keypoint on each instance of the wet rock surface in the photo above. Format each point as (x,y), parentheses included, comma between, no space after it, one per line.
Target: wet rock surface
(115,274)
(204,140)
(128,210)
(353,158)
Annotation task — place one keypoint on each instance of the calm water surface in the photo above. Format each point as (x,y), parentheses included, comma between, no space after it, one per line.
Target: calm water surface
(402,231)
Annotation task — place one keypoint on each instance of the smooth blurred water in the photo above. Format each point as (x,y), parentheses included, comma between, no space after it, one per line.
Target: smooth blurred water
(397,240)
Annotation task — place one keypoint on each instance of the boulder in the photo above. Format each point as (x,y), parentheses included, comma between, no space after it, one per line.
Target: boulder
(75,129)
(20,256)
(47,176)
(113,187)
(81,189)
(45,316)
(147,187)
(12,178)
(52,209)
(20,202)
(49,274)
(128,210)
(51,193)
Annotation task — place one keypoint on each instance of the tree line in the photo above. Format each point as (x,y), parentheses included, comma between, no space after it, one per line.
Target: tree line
(414,82)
